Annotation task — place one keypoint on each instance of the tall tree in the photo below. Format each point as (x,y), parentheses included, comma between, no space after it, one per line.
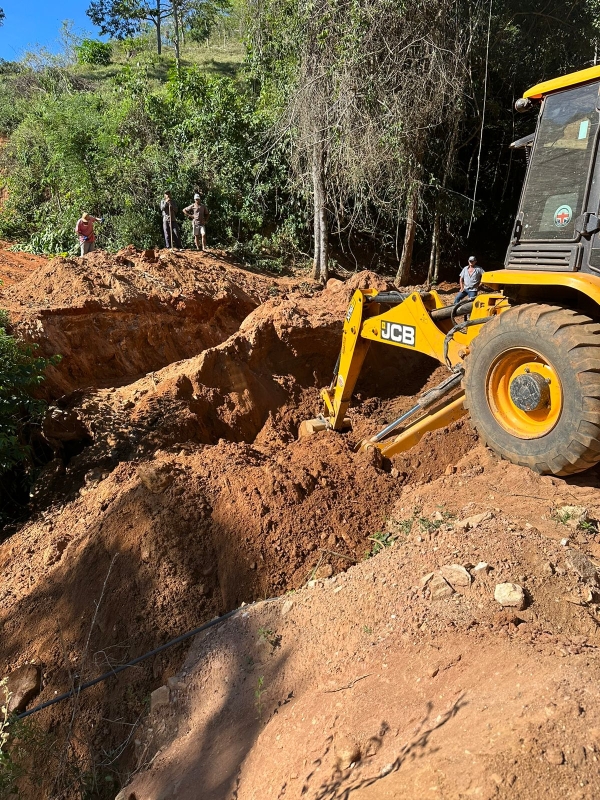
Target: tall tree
(122,18)
(362,86)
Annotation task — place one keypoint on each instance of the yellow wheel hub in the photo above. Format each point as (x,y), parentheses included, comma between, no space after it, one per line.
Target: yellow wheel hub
(524,393)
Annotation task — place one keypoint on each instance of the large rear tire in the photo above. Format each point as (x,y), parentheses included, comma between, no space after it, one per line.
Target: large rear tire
(532,386)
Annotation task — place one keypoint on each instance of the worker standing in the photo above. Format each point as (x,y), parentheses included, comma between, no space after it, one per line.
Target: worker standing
(170,228)
(199,215)
(85,231)
(470,279)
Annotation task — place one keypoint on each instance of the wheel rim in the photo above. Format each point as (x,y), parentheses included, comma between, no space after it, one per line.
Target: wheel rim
(524,393)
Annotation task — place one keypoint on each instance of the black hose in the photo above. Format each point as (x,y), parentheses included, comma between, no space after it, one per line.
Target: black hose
(137,660)
(461,327)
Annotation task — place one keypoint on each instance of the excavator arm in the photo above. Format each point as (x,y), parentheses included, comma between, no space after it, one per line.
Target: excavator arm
(417,321)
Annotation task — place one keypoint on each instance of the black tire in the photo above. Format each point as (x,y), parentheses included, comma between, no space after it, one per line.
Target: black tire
(570,343)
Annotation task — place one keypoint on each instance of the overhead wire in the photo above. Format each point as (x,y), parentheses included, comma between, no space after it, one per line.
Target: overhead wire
(485,83)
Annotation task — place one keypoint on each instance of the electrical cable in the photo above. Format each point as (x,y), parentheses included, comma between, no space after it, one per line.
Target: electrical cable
(485,83)
(122,667)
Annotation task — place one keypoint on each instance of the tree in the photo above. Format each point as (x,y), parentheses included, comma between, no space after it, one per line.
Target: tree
(122,18)
(2,16)
(363,86)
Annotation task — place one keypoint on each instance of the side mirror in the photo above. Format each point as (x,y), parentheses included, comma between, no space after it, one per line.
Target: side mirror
(523,104)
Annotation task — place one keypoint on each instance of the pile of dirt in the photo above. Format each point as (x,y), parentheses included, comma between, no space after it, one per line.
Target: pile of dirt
(368,684)
(15,267)
(178,491)
(114,318)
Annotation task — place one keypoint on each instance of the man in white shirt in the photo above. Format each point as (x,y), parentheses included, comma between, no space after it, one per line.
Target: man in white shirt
(470,278)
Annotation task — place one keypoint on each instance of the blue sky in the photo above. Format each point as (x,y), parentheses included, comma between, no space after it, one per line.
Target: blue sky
(33,22)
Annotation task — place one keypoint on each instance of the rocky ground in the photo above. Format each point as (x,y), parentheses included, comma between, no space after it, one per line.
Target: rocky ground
(431,622)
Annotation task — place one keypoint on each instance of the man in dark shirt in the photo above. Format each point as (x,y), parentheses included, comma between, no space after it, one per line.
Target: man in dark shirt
(199,215)
(170,228)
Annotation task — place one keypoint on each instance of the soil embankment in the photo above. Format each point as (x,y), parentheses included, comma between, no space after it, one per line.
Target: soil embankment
(178,491)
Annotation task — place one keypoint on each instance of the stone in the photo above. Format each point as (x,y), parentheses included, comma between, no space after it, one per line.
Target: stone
(174,683)
(579,563)
(324,571)
(437,516)
(482,568)
(547,568)
(287,607)
(53,553)
(439,587)
(572,516)
(509,595)
(455,575)
(467,524)
(564,542)
(159,698)
(155,477)
(22,685)
(554,756)
(347,752)
(426,579)
(385,770)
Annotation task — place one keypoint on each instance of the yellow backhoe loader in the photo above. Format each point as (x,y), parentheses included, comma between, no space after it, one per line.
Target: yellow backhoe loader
(523,358)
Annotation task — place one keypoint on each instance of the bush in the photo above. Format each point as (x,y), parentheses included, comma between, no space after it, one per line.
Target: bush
(91,51)
(20,371)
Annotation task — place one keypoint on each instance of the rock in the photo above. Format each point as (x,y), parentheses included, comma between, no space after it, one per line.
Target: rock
(464,525)
(564,542)
(53,553)
(439,587)
(347,752)
(510,595)
(456,575)
(579,563)
(425,579)
(554,756)
(325,571)
(548,568)
(482,568)
(22,685)
(287,607)
(386,770)
(572,516)
(437,516)
(155,477)
(159,698)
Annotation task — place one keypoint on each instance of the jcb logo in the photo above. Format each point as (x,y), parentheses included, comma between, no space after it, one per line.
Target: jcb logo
(349,312)
(402,334)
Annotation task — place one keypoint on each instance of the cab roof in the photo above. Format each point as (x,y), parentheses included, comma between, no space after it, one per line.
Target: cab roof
(572,79)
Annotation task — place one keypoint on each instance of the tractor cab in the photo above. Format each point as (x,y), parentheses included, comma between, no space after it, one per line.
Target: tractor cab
(557,226)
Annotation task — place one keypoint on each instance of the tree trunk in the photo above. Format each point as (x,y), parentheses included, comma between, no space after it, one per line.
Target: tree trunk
(177,43)
(158,28)
(435,246)
(321,246)
(403,274)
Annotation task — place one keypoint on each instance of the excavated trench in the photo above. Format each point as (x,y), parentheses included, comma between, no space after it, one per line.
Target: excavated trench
(192,495)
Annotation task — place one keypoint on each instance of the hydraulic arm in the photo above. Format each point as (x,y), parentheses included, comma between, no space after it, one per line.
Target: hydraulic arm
(416,321)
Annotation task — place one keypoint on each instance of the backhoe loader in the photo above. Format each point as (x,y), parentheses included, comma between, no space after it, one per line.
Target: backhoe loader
(524,357)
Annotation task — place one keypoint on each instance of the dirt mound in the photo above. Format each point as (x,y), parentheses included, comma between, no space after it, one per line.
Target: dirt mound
(176,496)
(15,267)
(367,685)
(114,318)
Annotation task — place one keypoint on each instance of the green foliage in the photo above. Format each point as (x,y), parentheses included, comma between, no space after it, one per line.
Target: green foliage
(381,540)
(114,153)
(91,51)
(20,371)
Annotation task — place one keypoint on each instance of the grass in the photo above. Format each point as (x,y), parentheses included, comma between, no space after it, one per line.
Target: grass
(218,56)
